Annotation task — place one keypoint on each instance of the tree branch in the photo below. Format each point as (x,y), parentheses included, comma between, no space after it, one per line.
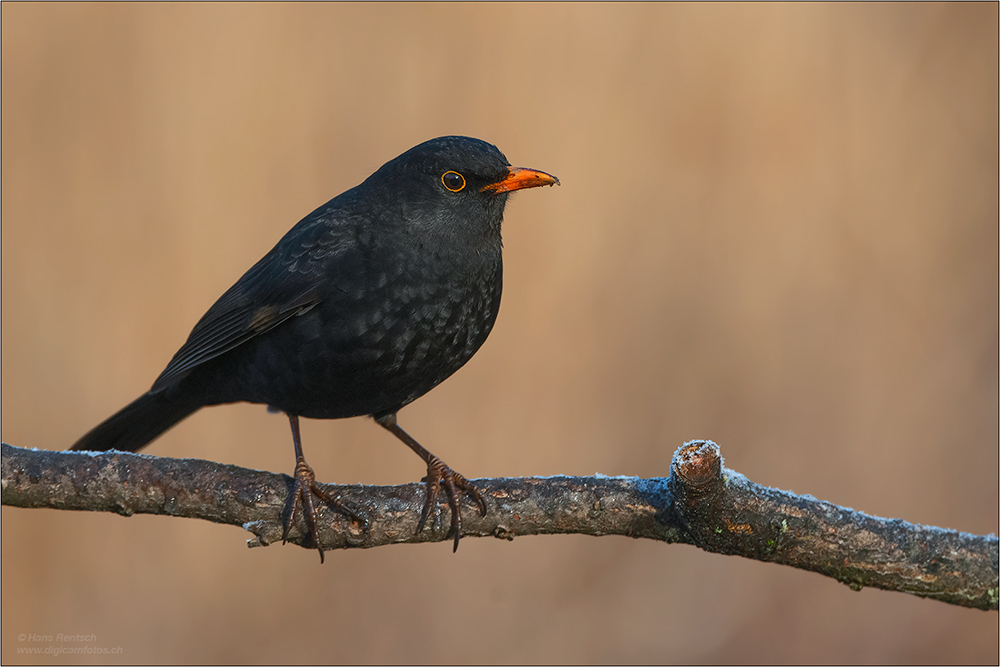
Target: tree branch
(700,503)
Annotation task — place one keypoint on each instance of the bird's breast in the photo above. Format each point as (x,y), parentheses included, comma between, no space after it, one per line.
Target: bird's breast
(376,345)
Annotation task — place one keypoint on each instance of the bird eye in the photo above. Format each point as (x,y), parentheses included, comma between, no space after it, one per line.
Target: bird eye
(453,180)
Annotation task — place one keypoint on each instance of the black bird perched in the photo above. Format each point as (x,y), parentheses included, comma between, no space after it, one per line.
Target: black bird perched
(362,307)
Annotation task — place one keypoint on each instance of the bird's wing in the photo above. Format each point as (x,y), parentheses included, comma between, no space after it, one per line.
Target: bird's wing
(285,283)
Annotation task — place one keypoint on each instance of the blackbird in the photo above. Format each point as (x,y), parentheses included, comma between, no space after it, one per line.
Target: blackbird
(365,305)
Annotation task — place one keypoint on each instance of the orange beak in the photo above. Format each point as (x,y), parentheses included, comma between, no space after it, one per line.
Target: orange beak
(519,178)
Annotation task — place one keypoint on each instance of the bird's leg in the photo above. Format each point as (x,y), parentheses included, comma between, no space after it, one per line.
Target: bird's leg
(304,490)
(438,474)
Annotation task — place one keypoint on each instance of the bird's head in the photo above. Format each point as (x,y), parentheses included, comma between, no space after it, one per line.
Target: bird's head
(452,189)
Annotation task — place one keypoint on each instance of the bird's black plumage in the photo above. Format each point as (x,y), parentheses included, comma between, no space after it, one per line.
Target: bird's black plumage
(363,306)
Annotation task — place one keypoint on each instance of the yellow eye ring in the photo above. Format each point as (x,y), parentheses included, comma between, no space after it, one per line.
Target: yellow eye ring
(452,180)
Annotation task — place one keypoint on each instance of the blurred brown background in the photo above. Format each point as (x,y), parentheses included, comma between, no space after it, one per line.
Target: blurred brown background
(778,228)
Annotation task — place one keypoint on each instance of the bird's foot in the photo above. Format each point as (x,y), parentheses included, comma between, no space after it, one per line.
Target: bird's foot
(301,498)
(438,475)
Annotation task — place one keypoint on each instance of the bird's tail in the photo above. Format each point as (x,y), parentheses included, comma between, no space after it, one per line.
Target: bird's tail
(137,424)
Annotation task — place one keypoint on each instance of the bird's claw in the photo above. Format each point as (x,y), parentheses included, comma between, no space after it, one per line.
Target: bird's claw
(438,475)
(301,497)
